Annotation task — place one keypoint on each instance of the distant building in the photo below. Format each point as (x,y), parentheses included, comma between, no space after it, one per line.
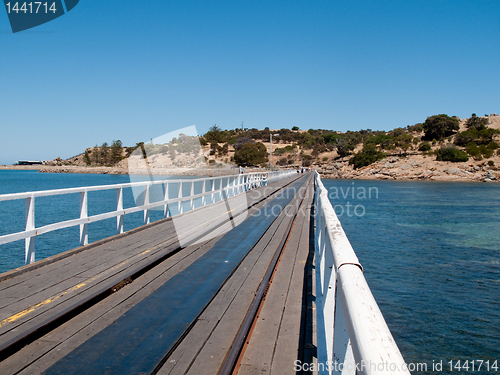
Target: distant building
(29,162)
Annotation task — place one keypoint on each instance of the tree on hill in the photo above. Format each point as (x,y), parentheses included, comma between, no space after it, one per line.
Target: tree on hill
(214,134)
(116,151)
(479,123)
(251,154)
(86,158)
(344,147)
(242,141)
(440,126)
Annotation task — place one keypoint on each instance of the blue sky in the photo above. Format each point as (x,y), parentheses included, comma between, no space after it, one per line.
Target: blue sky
(134,70)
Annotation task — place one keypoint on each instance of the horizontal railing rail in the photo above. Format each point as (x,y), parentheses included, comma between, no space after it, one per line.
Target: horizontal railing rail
(353,337)
(228,186)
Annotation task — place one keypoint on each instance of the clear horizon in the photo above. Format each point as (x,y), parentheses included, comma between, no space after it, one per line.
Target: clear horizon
(108,71)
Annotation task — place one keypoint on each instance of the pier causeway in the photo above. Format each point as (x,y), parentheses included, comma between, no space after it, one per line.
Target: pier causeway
(231,286)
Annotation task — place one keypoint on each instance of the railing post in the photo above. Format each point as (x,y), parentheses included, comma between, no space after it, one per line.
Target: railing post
(340,344)
(146,203)
(29,255)
(191,193)
(329,275)
(203,191)
(84,234)
(119,207)
(166,211)
(212,197)
(220,188)
(179,203)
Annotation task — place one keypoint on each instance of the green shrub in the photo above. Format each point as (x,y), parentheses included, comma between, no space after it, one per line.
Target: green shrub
(279,151)
(491,163)
(325,158)
(425,146)
(480,137)
(451,154)
(282,161)
(473,150)
(417,128)
(487,153)
(368,155)
(492,145)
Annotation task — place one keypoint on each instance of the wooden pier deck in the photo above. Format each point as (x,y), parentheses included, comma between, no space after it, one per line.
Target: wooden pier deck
(236,299)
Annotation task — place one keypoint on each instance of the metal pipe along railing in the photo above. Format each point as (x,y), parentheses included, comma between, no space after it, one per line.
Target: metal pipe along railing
(227,186)
(353,337)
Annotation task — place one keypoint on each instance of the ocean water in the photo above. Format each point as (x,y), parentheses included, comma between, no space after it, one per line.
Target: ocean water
(431,255)
(66,207)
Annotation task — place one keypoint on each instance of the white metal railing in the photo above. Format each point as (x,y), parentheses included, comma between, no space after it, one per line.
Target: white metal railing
(351,329)
(232,185)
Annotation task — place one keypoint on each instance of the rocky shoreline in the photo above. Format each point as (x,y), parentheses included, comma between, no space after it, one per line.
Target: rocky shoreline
(391,168)
(408,168)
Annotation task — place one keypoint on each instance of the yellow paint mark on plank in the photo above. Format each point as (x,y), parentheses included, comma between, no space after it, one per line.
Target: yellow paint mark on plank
(30,309)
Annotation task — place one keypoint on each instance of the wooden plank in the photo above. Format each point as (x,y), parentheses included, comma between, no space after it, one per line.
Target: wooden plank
(238,284)
(258,356)
(309,340)
(54,345)
(211,356)
(62,287)
(40,276)
(180,360)
(73,297)
(288,345)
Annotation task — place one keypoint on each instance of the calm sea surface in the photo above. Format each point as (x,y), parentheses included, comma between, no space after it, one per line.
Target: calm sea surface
(431,255)
(430,250)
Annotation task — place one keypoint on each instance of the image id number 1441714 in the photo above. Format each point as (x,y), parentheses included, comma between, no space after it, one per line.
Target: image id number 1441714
(31,7)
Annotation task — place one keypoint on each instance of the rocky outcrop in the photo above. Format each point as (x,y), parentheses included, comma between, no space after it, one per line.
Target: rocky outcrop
(413,167)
